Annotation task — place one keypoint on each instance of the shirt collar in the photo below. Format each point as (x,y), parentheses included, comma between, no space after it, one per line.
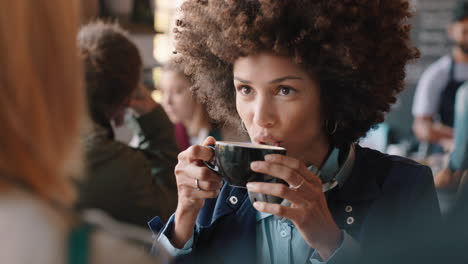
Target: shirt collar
(331,171)
(329,168)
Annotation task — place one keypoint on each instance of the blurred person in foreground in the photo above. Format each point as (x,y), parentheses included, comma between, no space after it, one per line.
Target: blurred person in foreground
(312,76)
(130,184)
(190,117)
(434,98)
(42,112)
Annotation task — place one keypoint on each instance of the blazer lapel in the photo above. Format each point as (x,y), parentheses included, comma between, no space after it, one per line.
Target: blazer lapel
(361,185)
(350,203)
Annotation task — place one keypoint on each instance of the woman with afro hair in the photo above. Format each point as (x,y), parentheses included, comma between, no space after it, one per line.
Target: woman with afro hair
(312,76)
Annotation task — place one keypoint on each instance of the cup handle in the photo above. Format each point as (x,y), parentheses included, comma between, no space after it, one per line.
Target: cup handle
(212,166)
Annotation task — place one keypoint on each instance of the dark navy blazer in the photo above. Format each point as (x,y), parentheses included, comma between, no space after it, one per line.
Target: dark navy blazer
(392,199)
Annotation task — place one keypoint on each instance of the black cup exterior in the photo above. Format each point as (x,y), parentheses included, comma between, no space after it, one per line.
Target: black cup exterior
(234,164)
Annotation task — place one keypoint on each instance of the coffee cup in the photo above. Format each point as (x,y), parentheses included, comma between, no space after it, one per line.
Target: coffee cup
(231,160)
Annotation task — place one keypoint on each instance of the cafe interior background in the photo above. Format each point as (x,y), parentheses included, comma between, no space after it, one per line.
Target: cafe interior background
(150,23)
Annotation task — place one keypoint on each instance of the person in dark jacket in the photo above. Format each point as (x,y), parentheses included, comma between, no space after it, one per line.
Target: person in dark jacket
(312,77)
(130,184)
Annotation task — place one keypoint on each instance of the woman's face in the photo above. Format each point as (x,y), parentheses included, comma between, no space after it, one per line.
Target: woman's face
(177,99)
(279,104)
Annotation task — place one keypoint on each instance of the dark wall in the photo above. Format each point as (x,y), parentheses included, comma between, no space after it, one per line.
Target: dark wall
(429,33)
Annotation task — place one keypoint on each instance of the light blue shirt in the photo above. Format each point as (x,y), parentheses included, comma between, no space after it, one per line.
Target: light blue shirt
(278,240)
(459,156)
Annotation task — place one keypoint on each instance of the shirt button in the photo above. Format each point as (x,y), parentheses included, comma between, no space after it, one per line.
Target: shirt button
(348,209)
(233,200)
(350,220)
(283,233)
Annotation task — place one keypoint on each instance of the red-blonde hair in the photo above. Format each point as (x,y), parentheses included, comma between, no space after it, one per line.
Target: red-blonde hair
(42,101)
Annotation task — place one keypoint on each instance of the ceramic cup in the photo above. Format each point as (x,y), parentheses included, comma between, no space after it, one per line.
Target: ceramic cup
(232,162)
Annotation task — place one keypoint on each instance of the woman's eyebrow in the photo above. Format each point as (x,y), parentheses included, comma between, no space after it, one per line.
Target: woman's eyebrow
(241,80)
(282,79)
(278,80)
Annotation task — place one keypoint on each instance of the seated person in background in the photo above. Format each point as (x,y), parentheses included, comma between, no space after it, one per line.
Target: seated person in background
(191,121)
(131,185)
(308,76)
(449,178)
(42,113)
(435,94)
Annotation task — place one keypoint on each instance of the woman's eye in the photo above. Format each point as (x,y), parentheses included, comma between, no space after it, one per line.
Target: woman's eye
(286,90)
(180,90)
(245,90)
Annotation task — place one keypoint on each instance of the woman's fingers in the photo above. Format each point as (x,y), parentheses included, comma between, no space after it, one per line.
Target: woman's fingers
(209,141)
(195,194)
(196,153)
(276,209)
(202,185)
(195,171)
(194,180)
(291,176)
(293,164)
(209,185)
(275,189)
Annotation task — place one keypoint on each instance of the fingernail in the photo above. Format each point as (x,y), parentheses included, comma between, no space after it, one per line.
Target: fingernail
(269,157)
(250,185)
(255,204)
(254,165)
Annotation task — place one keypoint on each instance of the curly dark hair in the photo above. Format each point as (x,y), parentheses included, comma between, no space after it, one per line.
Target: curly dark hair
(174,66)
(112,66)
(356,50)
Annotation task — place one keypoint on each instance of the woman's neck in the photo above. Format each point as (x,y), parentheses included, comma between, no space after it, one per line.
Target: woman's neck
(318,154)
(198,121)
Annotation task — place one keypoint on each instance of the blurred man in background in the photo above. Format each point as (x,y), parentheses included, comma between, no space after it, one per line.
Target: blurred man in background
(434,99)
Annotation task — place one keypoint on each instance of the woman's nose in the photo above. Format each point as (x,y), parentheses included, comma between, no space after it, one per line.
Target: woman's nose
(166,99)
(264,113)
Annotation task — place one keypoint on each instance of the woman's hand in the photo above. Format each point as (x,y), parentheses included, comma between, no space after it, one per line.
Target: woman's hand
(447,180)
(141,100)
(195,183)
(308,211)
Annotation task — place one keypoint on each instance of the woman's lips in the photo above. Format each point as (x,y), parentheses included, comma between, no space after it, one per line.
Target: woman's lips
(267,141)
(276,144)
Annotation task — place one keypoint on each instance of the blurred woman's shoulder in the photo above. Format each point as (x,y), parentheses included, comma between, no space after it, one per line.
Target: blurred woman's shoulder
(106,248)
(33,231)
(119,242)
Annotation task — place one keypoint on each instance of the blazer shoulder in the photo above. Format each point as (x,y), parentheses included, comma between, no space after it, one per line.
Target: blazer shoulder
(394,167)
